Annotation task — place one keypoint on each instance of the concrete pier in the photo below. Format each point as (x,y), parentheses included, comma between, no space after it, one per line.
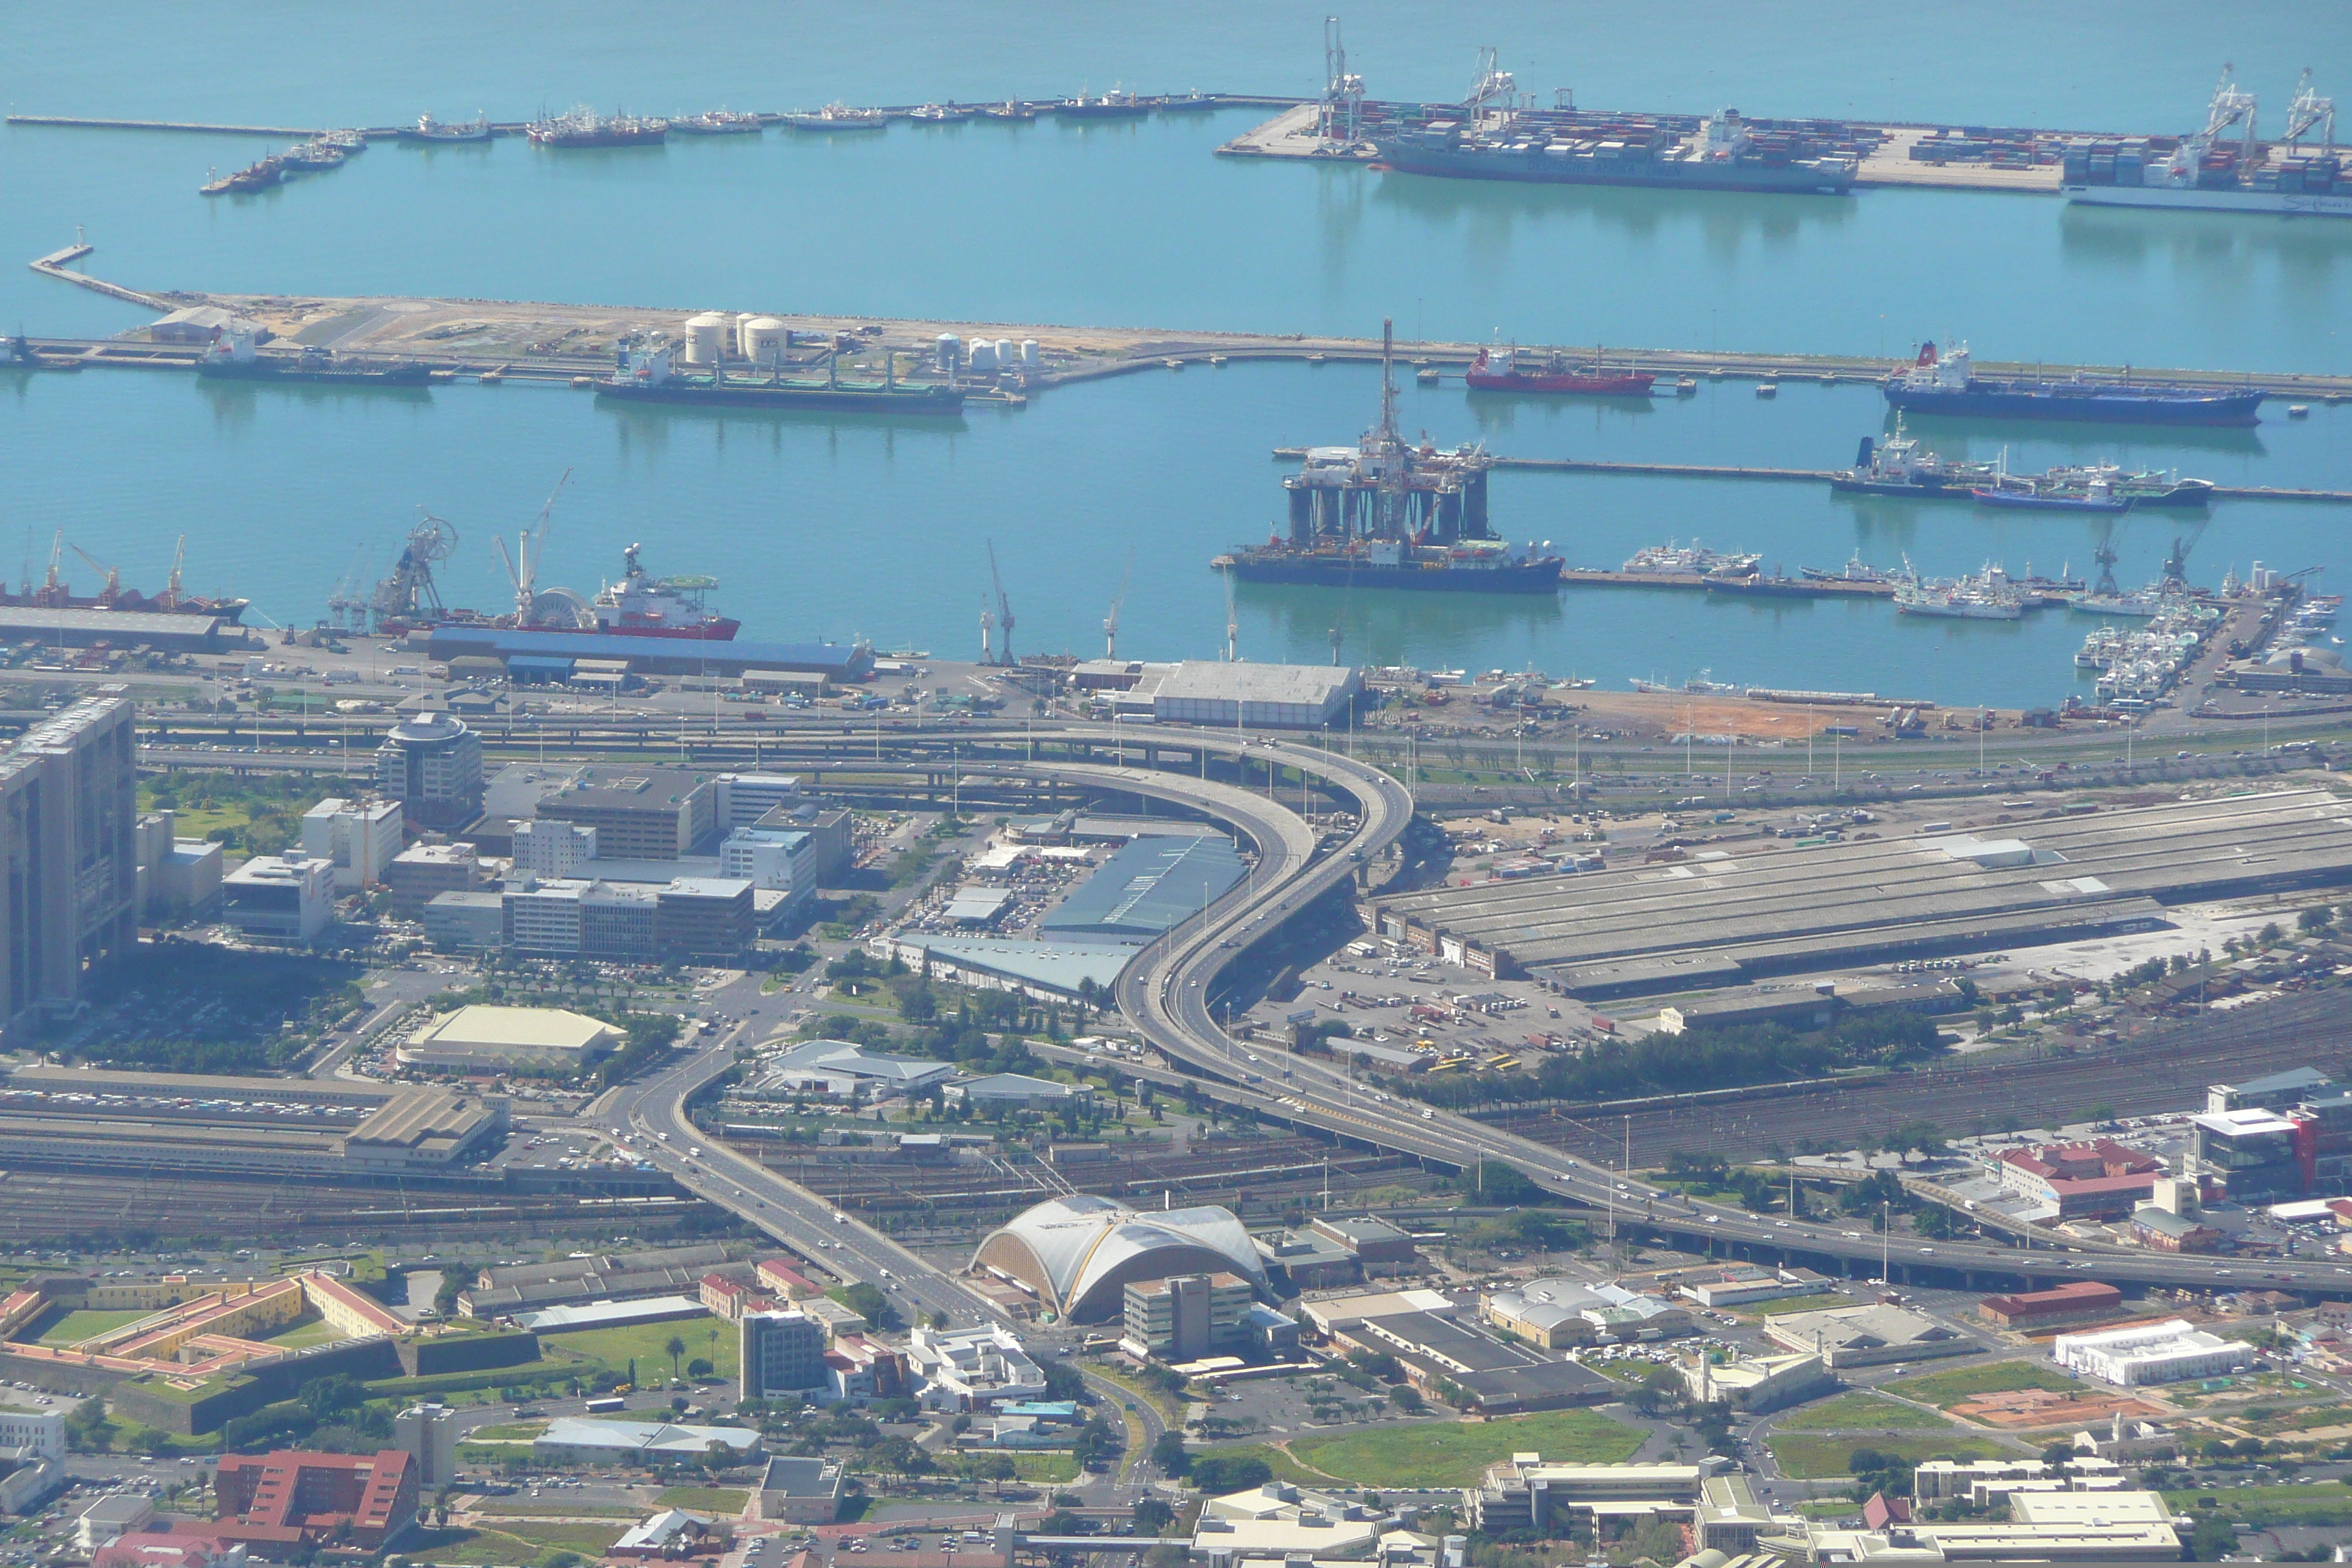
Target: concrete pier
(296,133)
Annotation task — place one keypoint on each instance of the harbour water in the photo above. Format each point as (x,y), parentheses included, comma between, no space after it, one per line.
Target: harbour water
(831,526)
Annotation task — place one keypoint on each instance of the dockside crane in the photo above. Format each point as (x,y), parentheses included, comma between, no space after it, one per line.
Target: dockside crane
(170,597)
(522,566)
(1004,610)
(1110,622)
(53,592)
(113,589)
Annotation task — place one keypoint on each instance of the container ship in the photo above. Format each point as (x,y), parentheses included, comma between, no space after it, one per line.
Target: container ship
(1943,384)
(2225,167)
(1507,370)
(645,376)
(235,358)
(1726,156)
(585,128)
(1386,513)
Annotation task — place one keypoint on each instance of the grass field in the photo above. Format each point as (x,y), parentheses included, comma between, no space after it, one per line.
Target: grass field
(508,1432)
(613,1348)
(524,1509)
(1856,1411)
(1456,1453)
(309,1329)
(1945,1389)
(1284,1467)
(76,1326)
(705,1499)
(519,1542)
(2308,1503)
(1808,1458)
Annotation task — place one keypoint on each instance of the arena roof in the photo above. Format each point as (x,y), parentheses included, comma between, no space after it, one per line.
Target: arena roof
(1078,1253)
(1722,916)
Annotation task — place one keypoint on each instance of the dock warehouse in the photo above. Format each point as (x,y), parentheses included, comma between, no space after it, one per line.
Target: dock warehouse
(1722,918)
(164,630)
(648,656)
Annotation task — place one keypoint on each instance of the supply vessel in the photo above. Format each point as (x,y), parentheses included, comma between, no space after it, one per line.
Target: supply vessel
(1944,384)
(639,605)
(2225,167)
(435,132)
(1509,370)
(1387,513)
(647,376)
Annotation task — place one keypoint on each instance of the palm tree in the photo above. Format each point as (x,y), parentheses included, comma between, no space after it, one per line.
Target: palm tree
(674,1348)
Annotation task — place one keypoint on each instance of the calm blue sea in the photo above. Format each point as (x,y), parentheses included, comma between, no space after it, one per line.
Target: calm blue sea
(832,527)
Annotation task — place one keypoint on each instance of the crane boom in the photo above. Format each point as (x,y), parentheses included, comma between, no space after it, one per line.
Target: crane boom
(1110,622)
(1004,610)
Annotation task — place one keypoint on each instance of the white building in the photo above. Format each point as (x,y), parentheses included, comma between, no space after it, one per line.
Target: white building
(287,897)
(542,1039)
(972,1369)
(360,837)
(2153,1352)
(41,1433)
(429,1433)
(773,859)
(553,848)
(1281,1522)
(1255,696)
(744,798)
(544,917)
(576,1439)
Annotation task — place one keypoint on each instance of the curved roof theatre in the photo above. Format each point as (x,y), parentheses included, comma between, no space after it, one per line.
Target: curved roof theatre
(1078,1253)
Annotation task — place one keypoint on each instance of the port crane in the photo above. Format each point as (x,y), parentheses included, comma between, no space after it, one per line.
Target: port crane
(53,591)
(170,598)
(1004,610)
(1495,93)
(1110,622)
(523,567)
(113,589)
(1343,92)
(410,594)
(2309,111)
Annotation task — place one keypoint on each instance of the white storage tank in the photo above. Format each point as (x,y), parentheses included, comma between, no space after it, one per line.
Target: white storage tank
(706,338)
(946,351)
(763,340)
(735,342)
(1030,358)
(983,357)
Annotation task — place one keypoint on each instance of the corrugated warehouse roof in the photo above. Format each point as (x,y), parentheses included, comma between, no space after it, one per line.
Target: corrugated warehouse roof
(1148,887)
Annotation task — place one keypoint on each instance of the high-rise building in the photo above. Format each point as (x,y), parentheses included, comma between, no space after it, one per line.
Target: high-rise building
(432,765)
(69,856)
(744,798)
(359,837)
(552,848)
(781,1353)
(428,1434)
(1187,1317)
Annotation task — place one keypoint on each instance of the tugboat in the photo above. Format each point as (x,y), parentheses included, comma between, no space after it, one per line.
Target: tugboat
(1503,370)
(1386,513)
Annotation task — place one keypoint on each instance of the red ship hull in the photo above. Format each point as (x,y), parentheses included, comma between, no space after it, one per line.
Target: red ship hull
(1565,381)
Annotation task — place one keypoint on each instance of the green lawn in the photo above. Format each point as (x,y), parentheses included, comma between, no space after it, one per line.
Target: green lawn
(705,1499)
(1945,1389)
(309,1329)
(1456,1453)
(518,1544)
(1284,1467)
(614,1347)
(508,1432)
(1856,1411)
(1807,1458)
(503,1507)
(84,1324)
(2309,1503)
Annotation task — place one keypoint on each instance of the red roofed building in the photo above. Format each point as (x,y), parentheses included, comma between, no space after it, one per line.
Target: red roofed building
(2100,1179)
(2082,1301)
(726,1298)
(157,1548)
(782,1276)
(291,1496)
(1881,1510)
